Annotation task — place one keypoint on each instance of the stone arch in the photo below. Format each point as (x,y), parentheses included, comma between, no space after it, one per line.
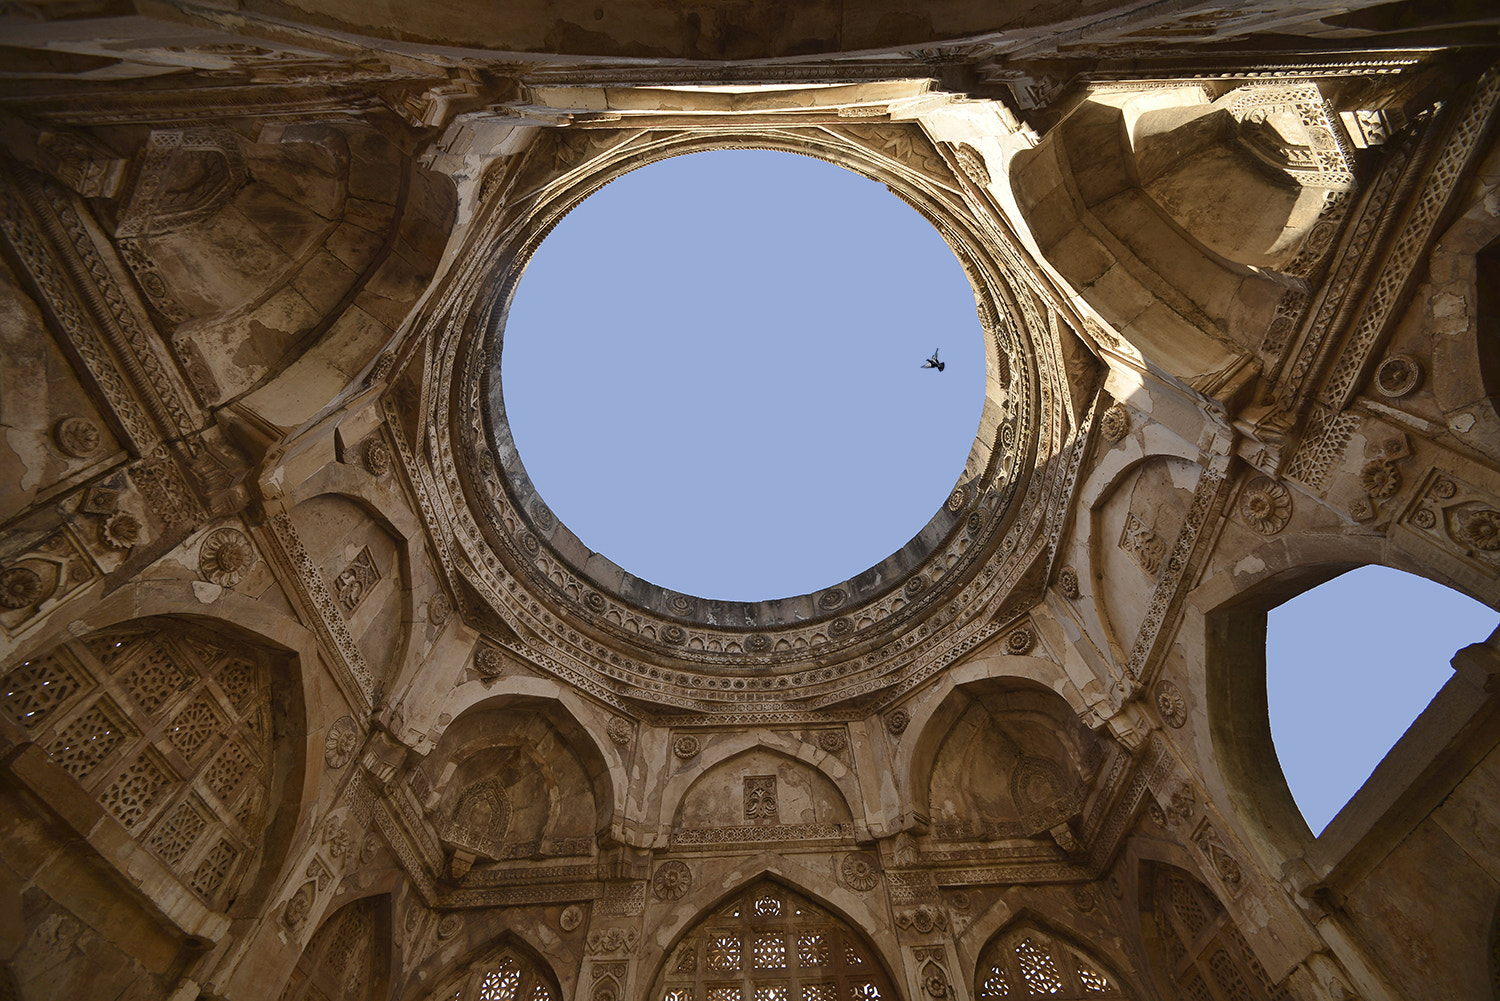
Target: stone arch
(1002,758)
(167,729)
(564,710)
(1233,610)
(762,787)
(764,921)
(1188,310)
(348,957)
(676,788)
(933,715)
(507,969)
(1029,958)
(511,778)
(1464,313)
(1192,941)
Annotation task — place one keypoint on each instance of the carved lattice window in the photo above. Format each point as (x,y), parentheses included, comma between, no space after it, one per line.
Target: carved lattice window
(1206,957)
(769,944)
(1028,963)
(342,962)
(165,728)
(506,975)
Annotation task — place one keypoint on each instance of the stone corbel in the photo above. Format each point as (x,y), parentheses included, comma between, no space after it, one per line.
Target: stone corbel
(382,759)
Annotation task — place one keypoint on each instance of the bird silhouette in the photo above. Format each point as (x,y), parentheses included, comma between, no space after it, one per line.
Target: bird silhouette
(934,363)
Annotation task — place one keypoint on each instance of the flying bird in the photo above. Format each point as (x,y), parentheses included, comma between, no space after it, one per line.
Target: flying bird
(934,363)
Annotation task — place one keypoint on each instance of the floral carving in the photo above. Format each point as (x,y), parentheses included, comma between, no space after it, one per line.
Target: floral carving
(120,530)
(897,720)
(21,587)
(594,601)
(1380,478)
(1170,703)
(488,663)
(1115,424)
(608,940)
(1067,581)
(671,880)
(686,746)
(377,457)
(916,585)
(1480,529)
(832,598)
(841,626)
(757,642)
(859,871)
(570,918)
(1266,505)
(438,609)
(338,746)
(1423,518)
(1020,641)
(619,731)
(225,557)
(77,437)
(674,634)
(833,741)
(448,925)
(957,498)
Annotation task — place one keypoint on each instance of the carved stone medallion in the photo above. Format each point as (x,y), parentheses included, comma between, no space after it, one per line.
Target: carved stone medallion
(1170,703)
(339,745)
(1115,424)
(1266,505)
(21,587)
(686,746)
(860,871)
(77,437)
(671,880)
(225,557)
(897,720)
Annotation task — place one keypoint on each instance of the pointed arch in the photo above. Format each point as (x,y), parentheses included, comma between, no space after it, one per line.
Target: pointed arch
(1195,948)
(348,957)
(767,942)
(1028,960)
(170,724)
(510,970)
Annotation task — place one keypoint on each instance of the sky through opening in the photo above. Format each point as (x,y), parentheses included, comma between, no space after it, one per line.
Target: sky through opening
(712,370)
(1349,666)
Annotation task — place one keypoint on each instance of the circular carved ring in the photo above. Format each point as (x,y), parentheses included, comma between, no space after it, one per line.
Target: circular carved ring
(528,565)
(342,739)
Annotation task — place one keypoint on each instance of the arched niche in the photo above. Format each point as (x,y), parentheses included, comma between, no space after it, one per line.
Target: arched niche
(1125,199)
(765,942)
(510,970)
(514,779)
(1025,960)
(349,957)
(1002,759)
(1195,948)
(761,794)
(163,734)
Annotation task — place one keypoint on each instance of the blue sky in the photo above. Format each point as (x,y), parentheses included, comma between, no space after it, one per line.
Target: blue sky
(710,364)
